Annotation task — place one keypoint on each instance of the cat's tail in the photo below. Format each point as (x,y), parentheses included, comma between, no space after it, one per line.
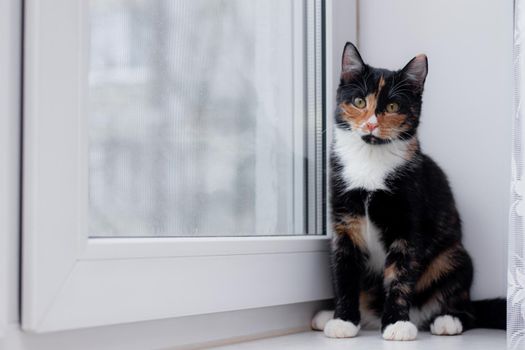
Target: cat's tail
(490,313)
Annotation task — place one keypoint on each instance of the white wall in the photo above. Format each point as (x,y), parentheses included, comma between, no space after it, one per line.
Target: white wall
(467,109)
(341,26)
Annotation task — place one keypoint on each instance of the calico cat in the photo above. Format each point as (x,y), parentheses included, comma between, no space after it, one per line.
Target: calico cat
(397,258)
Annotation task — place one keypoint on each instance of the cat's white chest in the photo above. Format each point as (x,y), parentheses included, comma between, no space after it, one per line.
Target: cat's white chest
(367,166)
(377,254)
(372,236)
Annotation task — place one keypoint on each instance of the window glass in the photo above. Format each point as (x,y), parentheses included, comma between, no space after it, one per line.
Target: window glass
(192,126)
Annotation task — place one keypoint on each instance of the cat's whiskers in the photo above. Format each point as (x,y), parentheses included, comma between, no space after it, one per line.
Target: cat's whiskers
(401,86)
(402,82)
(357,85)
(398,92)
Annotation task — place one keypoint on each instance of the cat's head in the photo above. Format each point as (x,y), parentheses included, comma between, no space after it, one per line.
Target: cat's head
(377,104)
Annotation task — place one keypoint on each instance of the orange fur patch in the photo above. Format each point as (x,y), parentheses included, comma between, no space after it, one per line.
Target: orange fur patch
(401,301)
(399,245)
(391,124)
(390,272)
(413,146)
(364,298)
(353,227)
(380,85)
(440,266)
(357,117)
(402,288)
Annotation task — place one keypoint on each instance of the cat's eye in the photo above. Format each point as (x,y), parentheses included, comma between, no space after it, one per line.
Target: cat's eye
(392,107)
(359,102)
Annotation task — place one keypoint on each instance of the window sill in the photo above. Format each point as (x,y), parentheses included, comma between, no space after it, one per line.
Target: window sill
(471,340)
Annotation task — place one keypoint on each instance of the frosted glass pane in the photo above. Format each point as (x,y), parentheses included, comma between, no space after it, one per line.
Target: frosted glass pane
(191,119)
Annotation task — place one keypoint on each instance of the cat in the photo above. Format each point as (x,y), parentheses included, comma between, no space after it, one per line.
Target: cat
(398,262)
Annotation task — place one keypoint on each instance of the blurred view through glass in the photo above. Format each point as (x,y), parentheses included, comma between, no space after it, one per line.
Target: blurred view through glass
(191,119)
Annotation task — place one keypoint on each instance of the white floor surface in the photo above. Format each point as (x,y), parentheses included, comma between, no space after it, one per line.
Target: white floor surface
(478,339)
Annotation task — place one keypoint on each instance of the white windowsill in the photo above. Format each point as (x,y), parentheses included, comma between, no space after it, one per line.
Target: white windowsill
(471,340)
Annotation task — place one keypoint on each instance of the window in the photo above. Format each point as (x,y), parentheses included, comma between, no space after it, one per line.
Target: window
(194,127)
(151,126)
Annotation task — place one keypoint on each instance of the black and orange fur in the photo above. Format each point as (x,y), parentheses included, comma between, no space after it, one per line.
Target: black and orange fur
(420,226)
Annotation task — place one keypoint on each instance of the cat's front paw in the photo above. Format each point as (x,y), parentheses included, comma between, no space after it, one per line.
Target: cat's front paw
(337,328)
(446,325)
(401,330)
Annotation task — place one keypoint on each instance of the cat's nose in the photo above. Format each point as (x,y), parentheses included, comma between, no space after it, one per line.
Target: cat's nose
(371,126)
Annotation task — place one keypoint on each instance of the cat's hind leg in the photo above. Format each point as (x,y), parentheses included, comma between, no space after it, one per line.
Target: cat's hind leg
(447,281)
(455,317)
(446,325)
(321,318)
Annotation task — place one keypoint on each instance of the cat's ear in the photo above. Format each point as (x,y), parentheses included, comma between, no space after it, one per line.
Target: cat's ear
(416,70)
(351,63)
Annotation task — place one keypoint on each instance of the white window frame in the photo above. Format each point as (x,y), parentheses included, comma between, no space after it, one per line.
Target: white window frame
(70,281)
(10,112)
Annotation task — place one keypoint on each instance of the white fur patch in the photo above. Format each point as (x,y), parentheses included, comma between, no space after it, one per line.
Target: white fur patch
(420,316)
(364,165)
(401,330)
(337,328)
(446,325)
(369,320)
(372,119)
(377,253)
(321,319)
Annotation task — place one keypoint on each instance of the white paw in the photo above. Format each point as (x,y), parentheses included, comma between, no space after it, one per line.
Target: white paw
(321,318)
(337,328)
(446,325)
(401,330)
